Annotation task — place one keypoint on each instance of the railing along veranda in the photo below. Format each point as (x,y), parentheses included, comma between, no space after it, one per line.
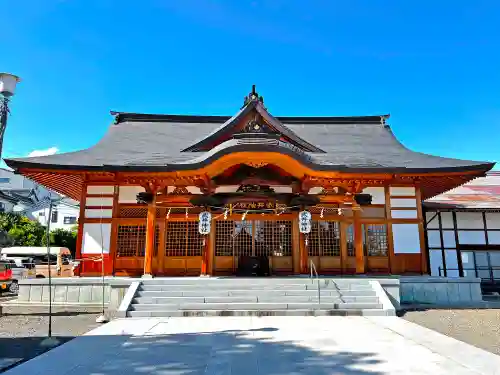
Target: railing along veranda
(313,270)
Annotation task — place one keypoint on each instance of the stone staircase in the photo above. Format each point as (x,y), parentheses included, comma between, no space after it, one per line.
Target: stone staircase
(174,297)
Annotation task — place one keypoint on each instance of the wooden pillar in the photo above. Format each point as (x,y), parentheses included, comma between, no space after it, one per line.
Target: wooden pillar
(81,220)
(204,258)
(423,250)
(358,242)
(304,266)
(393,266)
(150,237)
(343,246)
(113,241)
(296,246)
(211,249)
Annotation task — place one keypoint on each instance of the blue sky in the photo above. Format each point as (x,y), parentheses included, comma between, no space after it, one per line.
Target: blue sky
(433,65)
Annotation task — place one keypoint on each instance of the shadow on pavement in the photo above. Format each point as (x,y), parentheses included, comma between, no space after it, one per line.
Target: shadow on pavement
(236,352)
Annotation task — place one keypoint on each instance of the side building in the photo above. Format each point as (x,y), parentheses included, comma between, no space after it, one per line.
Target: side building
(463,231)
(142,187)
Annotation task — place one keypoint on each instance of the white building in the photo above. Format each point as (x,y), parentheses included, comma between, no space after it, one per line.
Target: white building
(64,214)
(463,230)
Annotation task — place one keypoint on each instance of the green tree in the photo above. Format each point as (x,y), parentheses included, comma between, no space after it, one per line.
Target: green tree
(63,238)
(23,231)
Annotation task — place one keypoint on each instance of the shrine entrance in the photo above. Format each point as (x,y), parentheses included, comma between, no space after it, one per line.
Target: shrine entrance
(253,247)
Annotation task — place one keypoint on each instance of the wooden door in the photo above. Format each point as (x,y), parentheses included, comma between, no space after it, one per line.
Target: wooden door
(324,246)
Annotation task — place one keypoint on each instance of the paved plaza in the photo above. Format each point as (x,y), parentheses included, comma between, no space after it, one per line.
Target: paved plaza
(266,345)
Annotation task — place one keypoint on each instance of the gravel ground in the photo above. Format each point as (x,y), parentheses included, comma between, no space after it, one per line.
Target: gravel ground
(21,334)
(480,328)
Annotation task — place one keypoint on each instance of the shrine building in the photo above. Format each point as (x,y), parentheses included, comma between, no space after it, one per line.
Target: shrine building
(143,186)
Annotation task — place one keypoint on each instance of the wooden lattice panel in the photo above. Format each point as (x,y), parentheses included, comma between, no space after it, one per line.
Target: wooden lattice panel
(376,239)
(131,241)
(324,239)
(253,238)
(183,239)
(133,212)
(224,230)
(351,252)
(273,238)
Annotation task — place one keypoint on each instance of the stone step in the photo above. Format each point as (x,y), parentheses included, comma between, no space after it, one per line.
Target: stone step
(250,280)
(151,287)
(304,312)
(270,293)
(251,298)
(254,306)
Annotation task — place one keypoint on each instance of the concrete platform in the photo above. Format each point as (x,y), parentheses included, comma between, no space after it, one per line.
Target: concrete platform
(266,345)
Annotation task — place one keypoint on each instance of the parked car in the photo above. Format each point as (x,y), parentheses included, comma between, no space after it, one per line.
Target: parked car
(22,268)
(5,276)
(61,263)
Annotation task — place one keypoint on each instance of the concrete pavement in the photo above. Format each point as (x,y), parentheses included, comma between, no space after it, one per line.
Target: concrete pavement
(265,345)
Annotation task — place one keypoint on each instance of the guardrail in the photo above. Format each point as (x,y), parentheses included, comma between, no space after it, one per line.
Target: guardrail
(313,269)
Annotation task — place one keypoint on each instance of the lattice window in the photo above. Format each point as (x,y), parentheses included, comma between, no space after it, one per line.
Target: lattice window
(131,240)
(243,237)
(253,238)
(224,237)
(183,239)
(376,239)
(273,238)
(324,239)
(351,252)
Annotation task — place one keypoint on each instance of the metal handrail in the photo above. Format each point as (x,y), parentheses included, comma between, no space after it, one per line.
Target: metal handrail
(313,269)
(476,270)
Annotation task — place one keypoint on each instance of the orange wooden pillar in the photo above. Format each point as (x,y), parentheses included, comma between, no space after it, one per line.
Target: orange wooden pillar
(150,237)
(304,267)
(358,242)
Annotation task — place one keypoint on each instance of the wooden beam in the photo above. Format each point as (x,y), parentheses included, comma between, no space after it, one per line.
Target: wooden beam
(358,242)
(211,248)
(343,246)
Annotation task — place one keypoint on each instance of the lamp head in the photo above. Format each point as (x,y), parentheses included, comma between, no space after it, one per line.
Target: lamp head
(8,84)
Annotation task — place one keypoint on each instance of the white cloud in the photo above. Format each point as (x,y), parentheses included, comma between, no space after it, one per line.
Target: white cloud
(49,151)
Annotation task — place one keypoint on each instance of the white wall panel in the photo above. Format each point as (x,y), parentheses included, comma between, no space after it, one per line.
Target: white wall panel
(493,220)
(434,223)
(315,190)
(433,238)
(470,220)
(404,214)
(226,189)
(402,191)
(377,193)
(282,189)
(100,189)
(436,261)
(447,220)
(406,238)
(128,194)
(193,189)
(493,238)
(471,237)
(99,202)
(97,213)
(93,242)
(403,202)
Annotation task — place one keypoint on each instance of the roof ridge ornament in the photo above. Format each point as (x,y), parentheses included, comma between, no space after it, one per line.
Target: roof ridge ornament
(253,97)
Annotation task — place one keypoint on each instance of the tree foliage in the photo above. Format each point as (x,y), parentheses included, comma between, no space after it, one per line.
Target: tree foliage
(18,230)
(63,238)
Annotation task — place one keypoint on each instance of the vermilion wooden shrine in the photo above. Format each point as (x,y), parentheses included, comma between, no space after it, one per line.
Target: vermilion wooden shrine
(143,185)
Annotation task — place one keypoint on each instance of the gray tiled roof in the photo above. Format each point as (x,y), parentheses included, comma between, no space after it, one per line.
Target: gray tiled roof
(156,141)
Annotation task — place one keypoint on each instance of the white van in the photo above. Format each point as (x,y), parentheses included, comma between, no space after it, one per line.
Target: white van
(61,263)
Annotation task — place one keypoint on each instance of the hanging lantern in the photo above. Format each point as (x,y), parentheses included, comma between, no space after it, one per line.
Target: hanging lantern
(305,222)
(204,222)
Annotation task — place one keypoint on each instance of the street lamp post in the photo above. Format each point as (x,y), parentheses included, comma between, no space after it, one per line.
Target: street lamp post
(8,84)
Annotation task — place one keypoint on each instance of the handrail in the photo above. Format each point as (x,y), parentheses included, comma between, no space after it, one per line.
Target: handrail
(313,268)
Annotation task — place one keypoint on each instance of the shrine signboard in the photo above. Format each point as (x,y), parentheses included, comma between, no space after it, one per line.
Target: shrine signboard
(269,205)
